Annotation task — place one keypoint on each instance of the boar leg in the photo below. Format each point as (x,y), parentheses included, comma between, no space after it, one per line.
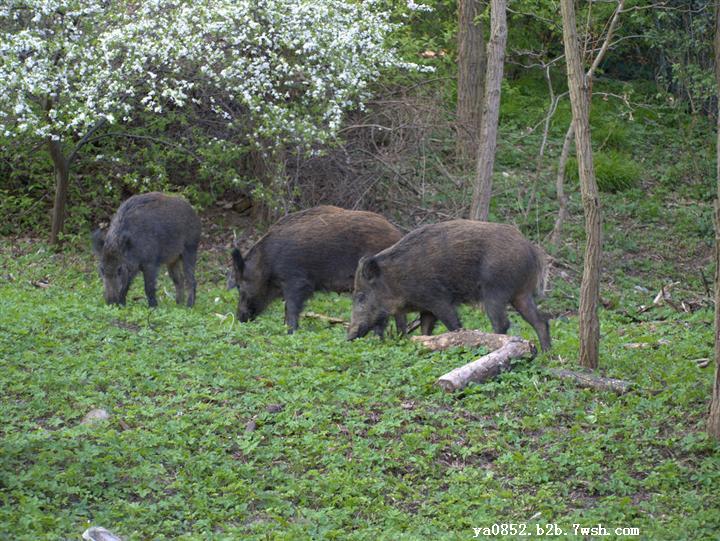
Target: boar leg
(150,276)
(525,305)
(496,311)
(447,314)
(295,295)
(189,256)
(379,328)
(126,287)
(427,323)
(401,324)
(175,272)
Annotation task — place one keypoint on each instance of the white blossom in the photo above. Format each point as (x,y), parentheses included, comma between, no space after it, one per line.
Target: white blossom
(293,66)
(413,6)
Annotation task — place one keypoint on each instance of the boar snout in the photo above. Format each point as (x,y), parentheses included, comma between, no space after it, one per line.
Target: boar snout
(246,312)
(112,296)
(245,316)
(117,299)
(353,334)
(357,331)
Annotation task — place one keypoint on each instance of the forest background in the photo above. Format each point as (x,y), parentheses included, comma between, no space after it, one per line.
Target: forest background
(218,427)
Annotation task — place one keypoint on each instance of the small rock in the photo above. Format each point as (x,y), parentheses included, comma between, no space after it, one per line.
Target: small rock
(275,408)
(94,416)
(641,289)
(250,426)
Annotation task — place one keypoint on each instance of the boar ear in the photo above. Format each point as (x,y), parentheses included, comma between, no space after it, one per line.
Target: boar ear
(238,264)
(98,241)
(369,268)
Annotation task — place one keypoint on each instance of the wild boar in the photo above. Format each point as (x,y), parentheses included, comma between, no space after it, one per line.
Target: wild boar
(147,231)
(307,251)
(437,267)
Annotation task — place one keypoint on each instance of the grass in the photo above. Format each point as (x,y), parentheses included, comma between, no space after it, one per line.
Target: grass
(226,431)
(238,431)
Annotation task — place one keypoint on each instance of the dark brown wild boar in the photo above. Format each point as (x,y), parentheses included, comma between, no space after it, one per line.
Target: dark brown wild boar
(147,231)
(437,267)
(307,251)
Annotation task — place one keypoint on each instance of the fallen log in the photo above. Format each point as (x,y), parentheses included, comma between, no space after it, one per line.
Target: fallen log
(505,349)
(488,366)
(465,337)
(97,533)
(591,381)
(328,319)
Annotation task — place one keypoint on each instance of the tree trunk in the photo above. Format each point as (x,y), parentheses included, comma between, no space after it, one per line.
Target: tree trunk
(471,75)
(713,426)
(560,188)
(491,111)
(62,176)
(580,103)
(562,161)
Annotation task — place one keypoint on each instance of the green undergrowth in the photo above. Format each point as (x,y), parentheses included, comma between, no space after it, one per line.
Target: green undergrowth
(221,430)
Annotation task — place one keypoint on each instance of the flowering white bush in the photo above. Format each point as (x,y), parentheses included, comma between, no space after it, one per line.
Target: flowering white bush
(278,70)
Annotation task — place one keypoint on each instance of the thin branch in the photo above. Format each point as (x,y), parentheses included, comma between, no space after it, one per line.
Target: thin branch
(606,43)
(146,137)
(377,126)
(86,138)
(531,16)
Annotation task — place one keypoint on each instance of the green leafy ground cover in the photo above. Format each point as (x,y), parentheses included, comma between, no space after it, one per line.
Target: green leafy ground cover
(221,430)
(228,431)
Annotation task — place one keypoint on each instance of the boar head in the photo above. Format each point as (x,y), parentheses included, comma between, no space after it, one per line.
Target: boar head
(371,307)
(115,268)
(253,286)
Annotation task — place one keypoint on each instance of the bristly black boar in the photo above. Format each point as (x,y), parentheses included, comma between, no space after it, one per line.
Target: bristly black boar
(307,251)
(437,267)
(147,231)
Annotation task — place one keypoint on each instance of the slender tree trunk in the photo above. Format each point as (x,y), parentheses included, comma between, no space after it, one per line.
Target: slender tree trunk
(62,176)
(713,426)
(491,111)
(560,188)
(471,78)
(580,102)
(562,161)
